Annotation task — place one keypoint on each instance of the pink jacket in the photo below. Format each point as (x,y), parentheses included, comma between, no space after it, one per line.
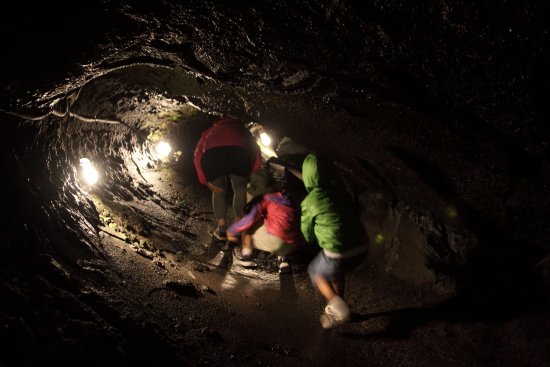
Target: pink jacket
(281,217)
(225,132)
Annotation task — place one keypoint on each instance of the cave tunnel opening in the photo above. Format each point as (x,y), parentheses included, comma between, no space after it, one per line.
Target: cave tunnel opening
(77,234)
(129,272)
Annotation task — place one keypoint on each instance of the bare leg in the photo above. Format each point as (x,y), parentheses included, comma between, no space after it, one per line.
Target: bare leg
(338,286)
(246,239)
(338,307)
(325,287)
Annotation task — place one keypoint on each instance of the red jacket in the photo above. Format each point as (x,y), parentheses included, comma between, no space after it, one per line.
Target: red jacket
(226,132)
(281,216)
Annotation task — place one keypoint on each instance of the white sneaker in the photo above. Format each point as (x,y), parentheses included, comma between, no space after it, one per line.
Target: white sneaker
(340,317)
(327,321)
(243,260)
(329,309)
(336,313)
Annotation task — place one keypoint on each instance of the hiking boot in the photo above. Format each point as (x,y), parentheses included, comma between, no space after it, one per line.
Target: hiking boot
(284,265)
(243,260)
(219,235)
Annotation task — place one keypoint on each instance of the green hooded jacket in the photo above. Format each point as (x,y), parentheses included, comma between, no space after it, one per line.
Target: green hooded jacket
(328,212)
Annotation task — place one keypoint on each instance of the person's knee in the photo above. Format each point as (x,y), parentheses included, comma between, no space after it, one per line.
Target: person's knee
(319,279)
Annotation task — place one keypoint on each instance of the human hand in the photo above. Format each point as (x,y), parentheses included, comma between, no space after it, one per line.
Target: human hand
(214,188)
(230,237)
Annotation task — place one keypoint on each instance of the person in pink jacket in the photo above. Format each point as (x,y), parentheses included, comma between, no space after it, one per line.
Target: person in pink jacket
(226,150)
(271,223)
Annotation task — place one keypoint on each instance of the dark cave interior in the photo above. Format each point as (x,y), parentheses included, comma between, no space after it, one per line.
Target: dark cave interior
(435,114)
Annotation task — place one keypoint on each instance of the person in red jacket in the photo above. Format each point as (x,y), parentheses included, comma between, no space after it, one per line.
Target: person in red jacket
(226,150)
(271,223)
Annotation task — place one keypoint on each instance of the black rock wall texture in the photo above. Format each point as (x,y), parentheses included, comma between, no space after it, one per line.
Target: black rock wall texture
(435,112)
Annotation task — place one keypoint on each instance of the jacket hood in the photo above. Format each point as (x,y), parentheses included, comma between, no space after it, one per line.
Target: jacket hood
(317,171)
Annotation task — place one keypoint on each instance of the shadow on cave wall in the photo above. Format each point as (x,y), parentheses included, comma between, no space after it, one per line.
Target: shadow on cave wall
(496,282)
(497,279)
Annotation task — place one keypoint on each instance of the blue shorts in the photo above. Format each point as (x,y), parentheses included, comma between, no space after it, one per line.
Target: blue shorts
(333,269)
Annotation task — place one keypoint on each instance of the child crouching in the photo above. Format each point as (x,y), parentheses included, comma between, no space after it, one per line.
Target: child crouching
(271,222)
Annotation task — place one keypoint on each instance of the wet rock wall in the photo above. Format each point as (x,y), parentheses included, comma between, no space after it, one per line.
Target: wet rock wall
(435,113)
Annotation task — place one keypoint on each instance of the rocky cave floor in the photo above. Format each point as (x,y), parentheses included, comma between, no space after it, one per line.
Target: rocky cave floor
(172,296)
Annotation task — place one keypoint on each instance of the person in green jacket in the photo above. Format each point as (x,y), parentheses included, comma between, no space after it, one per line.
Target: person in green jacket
(330,217)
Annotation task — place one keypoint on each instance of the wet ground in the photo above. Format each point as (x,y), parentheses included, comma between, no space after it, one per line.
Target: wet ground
(203,310)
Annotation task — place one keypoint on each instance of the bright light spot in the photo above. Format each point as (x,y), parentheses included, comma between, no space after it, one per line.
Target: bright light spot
(90,174)
(163,149)
(265,139)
